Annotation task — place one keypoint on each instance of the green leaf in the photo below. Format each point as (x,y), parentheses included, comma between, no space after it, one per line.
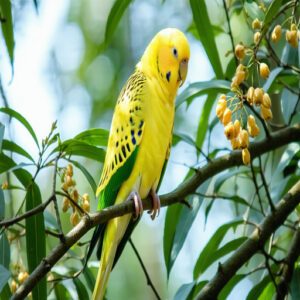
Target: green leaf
(12,113)
(256,291)
(4,276)
(197,289)
(2,127)
(13,147)
(89,277)
(81,290)
(177,224)
(35,239)
(61,292)
(230,285)
(204,118)
(79,148)
(223,177)
(4,251)
(6,292)
(253,10)
(2,205)
(95,136)
(86,173)
(197,89)
(7,28)
(295,283)
(212,246)
(273,75)
(272,11)
(184,291)
(206,34)
(114,17)
(268,292)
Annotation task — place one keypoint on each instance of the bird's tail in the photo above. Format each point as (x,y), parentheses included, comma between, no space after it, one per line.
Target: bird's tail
(115,230)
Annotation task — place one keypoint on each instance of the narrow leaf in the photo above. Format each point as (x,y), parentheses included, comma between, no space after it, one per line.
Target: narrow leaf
(2,205)
(95,136)
(7,28)
(197,89)
(273,75)
(89,277)
(13,147)
(295,291)
(4,251)
(230,285)
(258,288)
(4,276)
(114,17)
(206,34)
(212,246)
(81,289)
(272,11)
(184,291)
(12,113)
(35,239)
(5,293)
(1,135)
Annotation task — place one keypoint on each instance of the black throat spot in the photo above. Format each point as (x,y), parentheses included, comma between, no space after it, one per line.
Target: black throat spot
(168,76)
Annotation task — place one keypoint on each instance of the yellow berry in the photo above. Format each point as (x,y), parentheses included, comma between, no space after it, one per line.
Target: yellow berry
(226,116)
(251,120)
(234,84)
(250,94)
(86,197)
(86,205)
(276,33)
(256,24)
(256,37)
(229,131)
(293,27)
(240,67)
(266,113)
(253,130)
(292,38)
(64,187)
(264,70)
(258,96)
(66,204)
(13,286)
(240,77)
(246,156)
(75,195)
(220,111)
(22,276)
(235,143)
(243,138)
(237,127)
(74,218)
(239,51)
(266,100)
(70,170)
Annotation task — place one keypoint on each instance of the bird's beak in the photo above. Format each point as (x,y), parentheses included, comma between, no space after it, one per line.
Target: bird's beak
(183,68)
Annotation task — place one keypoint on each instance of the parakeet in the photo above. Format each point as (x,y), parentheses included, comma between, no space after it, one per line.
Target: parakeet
(139,143)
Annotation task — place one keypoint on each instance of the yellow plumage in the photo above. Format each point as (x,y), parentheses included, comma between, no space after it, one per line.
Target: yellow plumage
(142,121)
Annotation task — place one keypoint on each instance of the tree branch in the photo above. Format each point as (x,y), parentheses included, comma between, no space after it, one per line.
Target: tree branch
(288,267)
(253,244)
(280,138)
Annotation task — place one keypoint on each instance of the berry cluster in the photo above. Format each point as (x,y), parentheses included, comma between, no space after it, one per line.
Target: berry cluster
(69,187)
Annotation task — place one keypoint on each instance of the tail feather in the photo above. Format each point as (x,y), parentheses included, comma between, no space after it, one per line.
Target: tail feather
(115,230)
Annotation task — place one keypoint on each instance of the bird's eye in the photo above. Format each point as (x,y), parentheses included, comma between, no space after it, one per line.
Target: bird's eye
(175,52)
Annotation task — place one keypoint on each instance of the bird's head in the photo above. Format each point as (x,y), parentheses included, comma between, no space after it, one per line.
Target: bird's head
(167,57)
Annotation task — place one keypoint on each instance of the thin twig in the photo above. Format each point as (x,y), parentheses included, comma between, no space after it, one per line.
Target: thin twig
(262,175)
(149,282)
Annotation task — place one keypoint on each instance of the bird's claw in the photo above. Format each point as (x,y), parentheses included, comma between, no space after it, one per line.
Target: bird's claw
(138,205)
(155,205)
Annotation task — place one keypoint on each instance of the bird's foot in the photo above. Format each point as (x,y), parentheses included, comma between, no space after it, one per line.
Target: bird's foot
(138,205)
(155,205)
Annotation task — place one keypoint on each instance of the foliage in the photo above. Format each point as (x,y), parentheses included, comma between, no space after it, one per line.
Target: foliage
(270,60)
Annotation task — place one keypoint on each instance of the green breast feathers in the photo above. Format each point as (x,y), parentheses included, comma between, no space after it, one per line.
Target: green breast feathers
(126,128)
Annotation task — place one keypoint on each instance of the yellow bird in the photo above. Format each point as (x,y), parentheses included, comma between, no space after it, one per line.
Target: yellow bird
(139,143)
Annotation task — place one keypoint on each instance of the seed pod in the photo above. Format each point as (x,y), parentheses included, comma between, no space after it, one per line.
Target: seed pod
(226,116)
(235,143)
(266,113)
(75,195)
(64,187)
(258,96)
(234,85)
(264,70)
(253,130)
(250,94)
(276,34)
(292,38)
(251,120)
(66,204)
(239,51)
(256,37)
(86,205)
(256,24)
(266,100)
(243,138)
(237,127)
(70,170)
(74,218)
(13,286)
(229,131)
(240,77)
(69,181)
(86,197)
(246,156)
